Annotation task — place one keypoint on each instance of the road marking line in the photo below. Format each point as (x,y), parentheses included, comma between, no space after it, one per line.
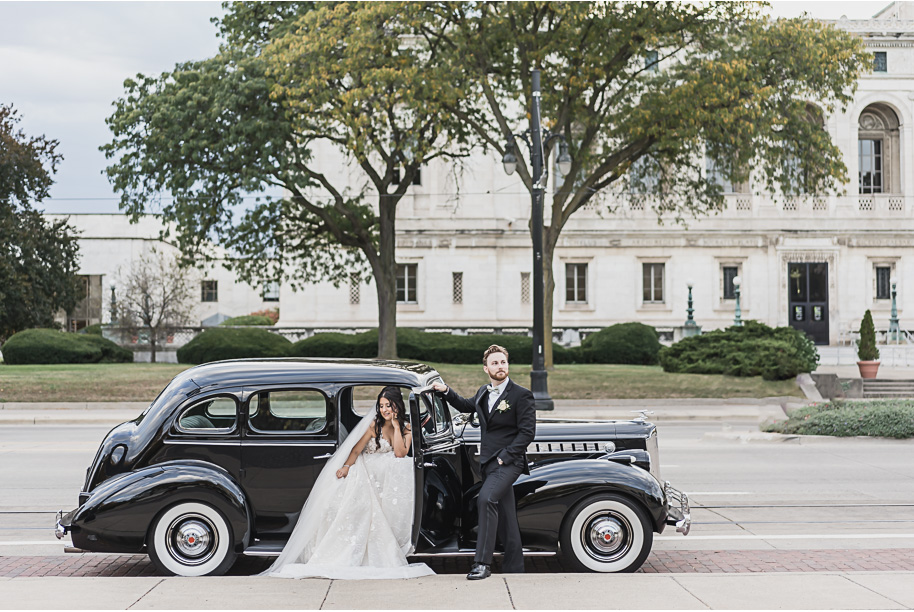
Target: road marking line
(821,536)
(690,493)
(34,543)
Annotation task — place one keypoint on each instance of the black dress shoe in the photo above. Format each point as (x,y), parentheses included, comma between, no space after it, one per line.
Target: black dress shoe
(479,571)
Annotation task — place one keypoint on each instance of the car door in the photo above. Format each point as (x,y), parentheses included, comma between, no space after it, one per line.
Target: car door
(438,488)
(205,428)
(288,435)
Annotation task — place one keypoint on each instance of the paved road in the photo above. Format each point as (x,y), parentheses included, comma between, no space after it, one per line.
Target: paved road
(814,523)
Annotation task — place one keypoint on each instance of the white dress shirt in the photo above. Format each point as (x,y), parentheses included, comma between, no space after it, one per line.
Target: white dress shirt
(493,396)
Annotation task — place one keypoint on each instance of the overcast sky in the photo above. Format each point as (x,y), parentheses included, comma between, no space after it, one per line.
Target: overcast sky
(62,64)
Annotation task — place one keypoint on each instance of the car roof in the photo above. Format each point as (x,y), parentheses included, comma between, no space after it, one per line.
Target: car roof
(306,370)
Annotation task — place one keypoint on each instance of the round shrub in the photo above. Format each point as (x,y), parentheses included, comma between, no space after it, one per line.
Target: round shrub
(628,343)
(111,352)
(95,330)
(248,320)
(364,345)
(34,346)
(216,344)
(753,349)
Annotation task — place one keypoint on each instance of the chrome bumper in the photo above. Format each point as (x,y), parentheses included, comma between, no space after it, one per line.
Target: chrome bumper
(678,511)
(60,530)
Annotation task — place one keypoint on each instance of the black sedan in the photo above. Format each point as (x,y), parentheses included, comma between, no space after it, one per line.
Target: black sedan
(222,461)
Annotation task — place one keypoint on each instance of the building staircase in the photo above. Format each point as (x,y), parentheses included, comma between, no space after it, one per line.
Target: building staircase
(885,388)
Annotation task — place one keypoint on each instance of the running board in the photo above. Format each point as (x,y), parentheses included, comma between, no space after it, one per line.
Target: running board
(273,549)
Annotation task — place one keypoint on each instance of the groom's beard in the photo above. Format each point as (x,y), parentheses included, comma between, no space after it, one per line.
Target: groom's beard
(499,376)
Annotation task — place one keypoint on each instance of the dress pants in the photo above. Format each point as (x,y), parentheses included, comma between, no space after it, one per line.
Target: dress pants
(498,516)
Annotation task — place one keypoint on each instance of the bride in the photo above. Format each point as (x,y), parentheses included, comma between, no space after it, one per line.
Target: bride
(357,521)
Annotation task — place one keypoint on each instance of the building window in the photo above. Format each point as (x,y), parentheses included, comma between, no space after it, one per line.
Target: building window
(652,61)
(406,283)
(653,283)
(457,278)
(729,273)
(209,291)
(355,292)
(576,283)
(524,287)
(270,291)
(716,176)
(883,283)
(880,62)
(870,155)
(644,176)
(417,179)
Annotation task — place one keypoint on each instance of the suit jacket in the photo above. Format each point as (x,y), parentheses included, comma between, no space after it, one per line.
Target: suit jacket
(506,433)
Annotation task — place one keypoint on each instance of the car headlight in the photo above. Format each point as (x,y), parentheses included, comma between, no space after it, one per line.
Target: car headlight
(117,454)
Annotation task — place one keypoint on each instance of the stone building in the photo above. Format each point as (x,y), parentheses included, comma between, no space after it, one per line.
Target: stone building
(464,250)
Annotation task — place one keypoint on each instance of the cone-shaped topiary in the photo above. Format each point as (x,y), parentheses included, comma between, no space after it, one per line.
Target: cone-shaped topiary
(866,345)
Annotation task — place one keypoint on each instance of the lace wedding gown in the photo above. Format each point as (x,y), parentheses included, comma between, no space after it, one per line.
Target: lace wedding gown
(358,527)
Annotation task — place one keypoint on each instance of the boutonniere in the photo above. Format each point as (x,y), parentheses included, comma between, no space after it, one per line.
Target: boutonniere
(503,407)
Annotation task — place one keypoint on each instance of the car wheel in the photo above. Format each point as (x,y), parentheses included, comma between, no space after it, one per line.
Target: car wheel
(191,539)
(606,533)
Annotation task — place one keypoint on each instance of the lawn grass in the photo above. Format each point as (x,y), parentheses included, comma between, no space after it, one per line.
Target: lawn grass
(141,382)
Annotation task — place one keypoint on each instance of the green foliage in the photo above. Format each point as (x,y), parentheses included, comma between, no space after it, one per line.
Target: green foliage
(95,330)
(866,344)
(631,343)
(423,346)
(42,346)
(882,418)
(217,344)
(248,320)
(271,313)
(38,258)
(753,349)
(111,352)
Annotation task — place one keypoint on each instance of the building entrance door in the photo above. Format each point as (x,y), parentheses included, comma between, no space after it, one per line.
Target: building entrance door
(807,288)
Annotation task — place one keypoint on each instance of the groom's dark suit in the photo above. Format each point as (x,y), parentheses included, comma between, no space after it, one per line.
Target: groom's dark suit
(507,430)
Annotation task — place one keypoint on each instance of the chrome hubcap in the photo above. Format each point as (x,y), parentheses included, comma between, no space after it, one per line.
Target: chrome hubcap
(192,539)
(607,536)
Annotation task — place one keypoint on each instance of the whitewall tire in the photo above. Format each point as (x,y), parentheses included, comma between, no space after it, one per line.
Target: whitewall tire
(606,533)
(191,539)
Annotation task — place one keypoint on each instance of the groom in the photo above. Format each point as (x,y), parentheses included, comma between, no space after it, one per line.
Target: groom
(507,414)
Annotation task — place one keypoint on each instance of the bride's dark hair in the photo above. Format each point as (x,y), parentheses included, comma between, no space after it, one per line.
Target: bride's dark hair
(395,398)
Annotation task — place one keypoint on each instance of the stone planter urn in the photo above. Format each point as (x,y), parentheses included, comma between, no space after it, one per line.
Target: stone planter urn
(868,369)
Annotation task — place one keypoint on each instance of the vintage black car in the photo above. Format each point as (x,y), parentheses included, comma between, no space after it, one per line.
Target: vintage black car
(223,459)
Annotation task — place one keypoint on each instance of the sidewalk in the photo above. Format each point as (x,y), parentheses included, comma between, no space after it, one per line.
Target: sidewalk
(737,409)
(851,371)
(780,590)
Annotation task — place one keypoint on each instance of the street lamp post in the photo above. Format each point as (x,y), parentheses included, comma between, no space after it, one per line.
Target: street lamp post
(690,328)
(738,315)
(538,375)
(894,328)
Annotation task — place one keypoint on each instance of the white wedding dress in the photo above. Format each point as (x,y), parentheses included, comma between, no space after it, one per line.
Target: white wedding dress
(358,527)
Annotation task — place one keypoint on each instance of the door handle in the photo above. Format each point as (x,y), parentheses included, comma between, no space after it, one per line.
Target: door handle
(327,456)
(429,465)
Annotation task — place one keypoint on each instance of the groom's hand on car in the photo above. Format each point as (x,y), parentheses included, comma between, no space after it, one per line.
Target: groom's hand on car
(439,387)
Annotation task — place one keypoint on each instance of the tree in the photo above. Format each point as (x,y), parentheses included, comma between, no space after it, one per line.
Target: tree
(38,259)
(866,344)
(363,80)
(655,85)
(157,295)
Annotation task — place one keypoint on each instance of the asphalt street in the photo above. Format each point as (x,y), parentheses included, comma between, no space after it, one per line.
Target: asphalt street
(793,509)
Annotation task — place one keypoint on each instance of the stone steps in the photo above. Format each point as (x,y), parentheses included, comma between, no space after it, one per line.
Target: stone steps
(888,388)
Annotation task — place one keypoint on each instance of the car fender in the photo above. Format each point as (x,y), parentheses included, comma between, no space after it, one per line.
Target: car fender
(119,512)
(552,488)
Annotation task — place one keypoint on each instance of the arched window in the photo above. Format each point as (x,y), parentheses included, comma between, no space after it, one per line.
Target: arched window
(878,152)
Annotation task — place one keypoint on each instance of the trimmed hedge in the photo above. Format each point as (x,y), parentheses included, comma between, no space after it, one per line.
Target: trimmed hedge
(882,418)
(43,346)
(753,349)
(248,320)
(95,329)
(216,344)
(627,343)
(111,352)
(424,346)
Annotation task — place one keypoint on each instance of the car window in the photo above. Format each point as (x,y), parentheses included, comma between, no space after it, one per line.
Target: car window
(212,414)
(300,410)
(433,414)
